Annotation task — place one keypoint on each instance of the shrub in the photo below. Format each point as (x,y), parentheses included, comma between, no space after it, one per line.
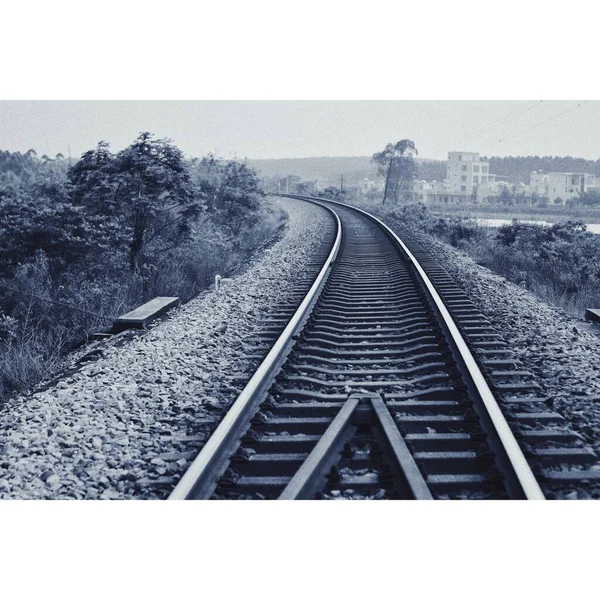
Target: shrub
(560,263)
(77,251)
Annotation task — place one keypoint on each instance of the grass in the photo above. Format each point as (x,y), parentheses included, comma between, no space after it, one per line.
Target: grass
(41,327)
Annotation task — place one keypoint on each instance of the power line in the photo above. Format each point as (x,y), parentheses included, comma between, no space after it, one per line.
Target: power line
(540,123)
(499,121)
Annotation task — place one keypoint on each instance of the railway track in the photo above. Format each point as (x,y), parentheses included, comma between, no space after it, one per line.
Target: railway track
(370,391)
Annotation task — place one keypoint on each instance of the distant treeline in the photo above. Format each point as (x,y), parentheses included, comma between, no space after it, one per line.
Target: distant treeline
(518,168)
(327,169)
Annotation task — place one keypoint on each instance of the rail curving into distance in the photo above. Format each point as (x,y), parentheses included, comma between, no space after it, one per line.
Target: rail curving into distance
(209,464)
(369,392)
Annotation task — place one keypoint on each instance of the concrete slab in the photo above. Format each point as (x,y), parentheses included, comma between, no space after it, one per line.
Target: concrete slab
(145,314)
(592,314)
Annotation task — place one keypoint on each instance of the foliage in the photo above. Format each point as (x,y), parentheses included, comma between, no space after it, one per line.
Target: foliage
(559,263)
(145,190)
(52,225)
(231,192)
(416,216)
(332,193)
(25,170)
(80,246)
(589,198)
(565,254)
(307,188)
(396,162)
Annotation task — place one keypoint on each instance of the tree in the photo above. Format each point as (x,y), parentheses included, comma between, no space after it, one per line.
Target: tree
(590,197)
(146,187)
(288,185)
(397,164)
(230,191)
(505,197)
(51,225)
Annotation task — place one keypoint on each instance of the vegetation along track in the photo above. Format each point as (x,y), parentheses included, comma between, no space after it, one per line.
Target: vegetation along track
(371,391)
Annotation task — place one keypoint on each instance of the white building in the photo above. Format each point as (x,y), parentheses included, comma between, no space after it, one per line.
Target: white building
(565,186)
(437,191)
(468,180)
(562,186)
(465,173)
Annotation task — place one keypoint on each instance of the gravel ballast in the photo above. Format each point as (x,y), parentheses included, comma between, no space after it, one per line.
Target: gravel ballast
(562,352)
(124,421)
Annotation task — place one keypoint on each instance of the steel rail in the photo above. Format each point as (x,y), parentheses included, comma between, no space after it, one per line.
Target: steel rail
(321,459)
(199,481)
(306,482)
(520,478)
(404,459)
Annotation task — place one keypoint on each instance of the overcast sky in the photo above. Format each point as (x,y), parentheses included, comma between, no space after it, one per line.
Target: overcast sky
(284,129)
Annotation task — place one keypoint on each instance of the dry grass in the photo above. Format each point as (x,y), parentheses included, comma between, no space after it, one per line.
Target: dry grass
(42,326)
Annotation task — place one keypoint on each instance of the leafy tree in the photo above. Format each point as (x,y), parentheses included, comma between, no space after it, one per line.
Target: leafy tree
(146,188)
(51,225)
(230,191)
(505,197)
(64,239)
(396,162)
(289,184)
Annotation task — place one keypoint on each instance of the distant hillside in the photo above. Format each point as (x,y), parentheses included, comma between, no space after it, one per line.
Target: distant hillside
(328,169)
(518,168)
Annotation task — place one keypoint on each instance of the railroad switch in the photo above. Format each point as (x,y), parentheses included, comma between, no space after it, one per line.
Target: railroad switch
(363,415)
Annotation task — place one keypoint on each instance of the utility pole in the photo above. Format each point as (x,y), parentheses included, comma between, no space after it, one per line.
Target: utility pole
(287,184)
(342,184)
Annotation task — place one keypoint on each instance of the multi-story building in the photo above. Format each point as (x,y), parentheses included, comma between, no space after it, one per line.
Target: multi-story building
(465,173)
(564,186)
(468,180)
(437,191)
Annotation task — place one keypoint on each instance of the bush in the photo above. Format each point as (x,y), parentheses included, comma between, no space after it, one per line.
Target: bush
(454,230)
(80,248)
(560,263)
(565,256)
